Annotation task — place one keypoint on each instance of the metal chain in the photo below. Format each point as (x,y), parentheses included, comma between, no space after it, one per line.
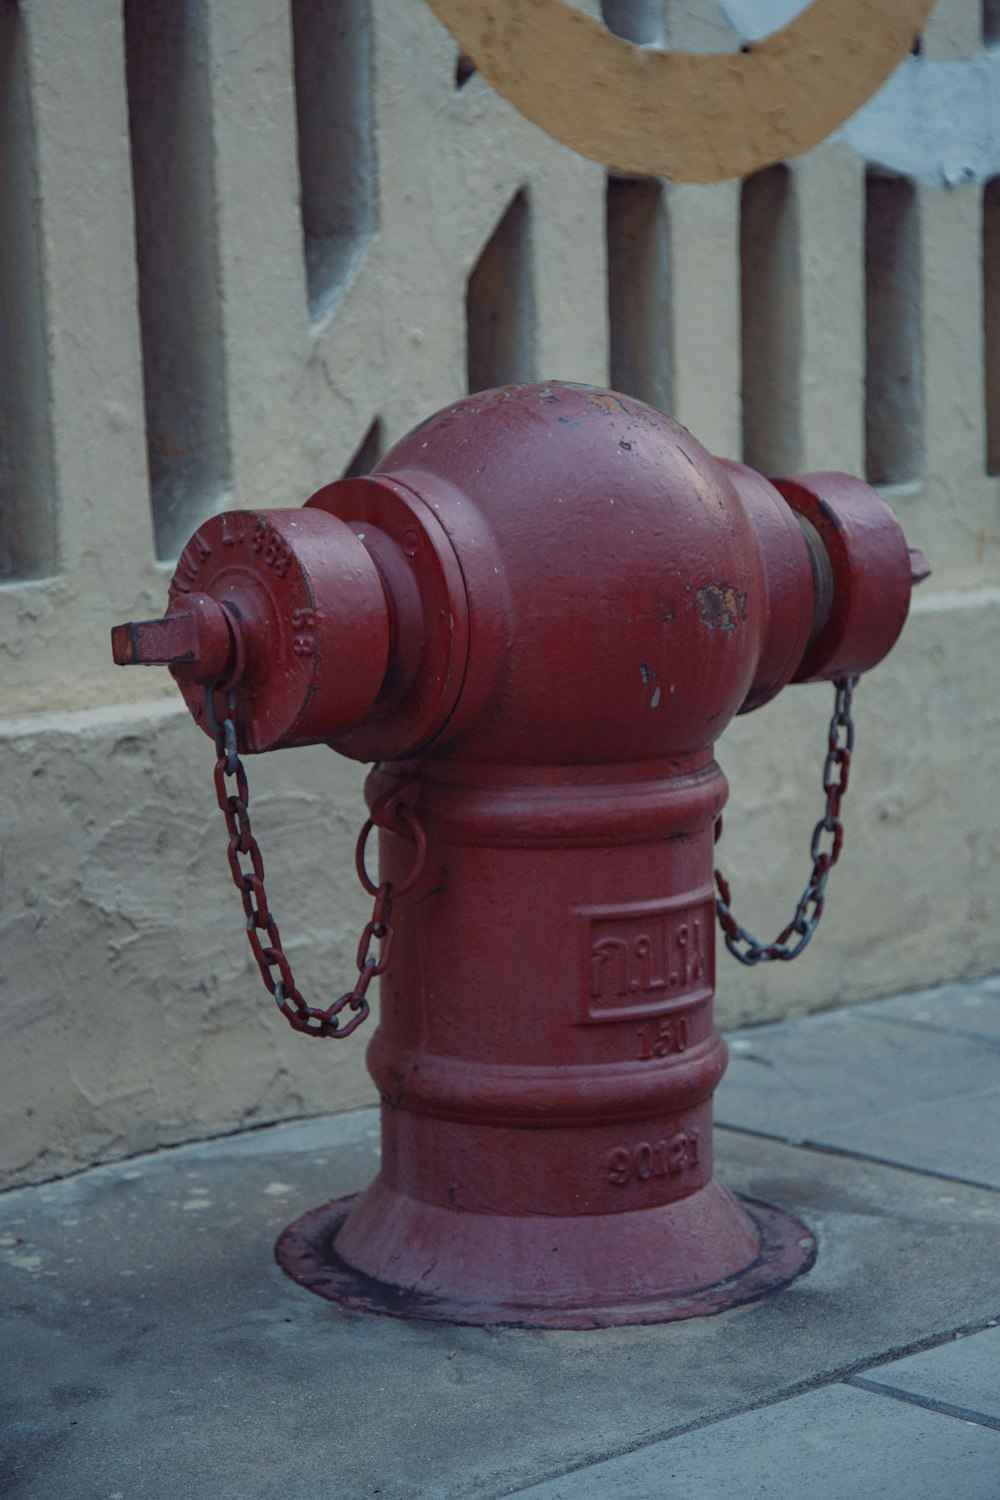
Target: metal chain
(248,878)
(836,770)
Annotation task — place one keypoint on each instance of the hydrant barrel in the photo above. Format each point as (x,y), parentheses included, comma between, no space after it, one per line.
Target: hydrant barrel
(536,617)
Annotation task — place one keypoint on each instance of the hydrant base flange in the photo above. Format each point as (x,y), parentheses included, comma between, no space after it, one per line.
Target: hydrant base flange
(305,1251)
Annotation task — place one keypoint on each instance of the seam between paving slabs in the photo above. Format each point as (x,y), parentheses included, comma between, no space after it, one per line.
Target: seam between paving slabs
(881,1161)
(945,1408)
(154,1153)
(843,1376)
(982,1037)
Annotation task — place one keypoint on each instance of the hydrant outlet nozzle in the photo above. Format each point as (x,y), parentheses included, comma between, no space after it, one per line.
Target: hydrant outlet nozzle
(197,642)
(288,606)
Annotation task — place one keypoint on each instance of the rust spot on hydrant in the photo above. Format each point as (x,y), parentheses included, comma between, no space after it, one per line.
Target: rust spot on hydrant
(721,606)
(607,402)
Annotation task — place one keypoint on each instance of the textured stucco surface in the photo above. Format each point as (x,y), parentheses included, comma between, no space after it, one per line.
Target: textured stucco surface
(131,1014)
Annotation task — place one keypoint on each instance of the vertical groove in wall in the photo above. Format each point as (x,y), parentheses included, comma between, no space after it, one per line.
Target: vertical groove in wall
(991,23)
(639,289)
(27,509)
(499,304)
(368,454)
(166,59)
(332,41)
(893,341)
(991,321)
(639,21)
(770,320)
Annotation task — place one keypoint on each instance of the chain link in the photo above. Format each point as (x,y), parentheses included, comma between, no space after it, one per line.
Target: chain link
(246,864)
(836,771)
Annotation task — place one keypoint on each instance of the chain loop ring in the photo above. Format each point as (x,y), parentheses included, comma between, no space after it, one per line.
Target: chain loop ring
(419,838)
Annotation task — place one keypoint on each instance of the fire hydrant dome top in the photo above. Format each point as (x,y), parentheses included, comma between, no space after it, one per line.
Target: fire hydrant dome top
(623,558)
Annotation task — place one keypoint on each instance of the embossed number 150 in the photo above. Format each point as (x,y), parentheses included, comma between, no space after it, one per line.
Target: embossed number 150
(661,1038)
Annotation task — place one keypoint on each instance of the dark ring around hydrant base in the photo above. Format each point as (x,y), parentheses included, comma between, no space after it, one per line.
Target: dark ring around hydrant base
(305,1252)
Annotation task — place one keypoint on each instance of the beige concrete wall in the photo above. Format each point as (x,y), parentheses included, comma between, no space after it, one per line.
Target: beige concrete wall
(130,1013)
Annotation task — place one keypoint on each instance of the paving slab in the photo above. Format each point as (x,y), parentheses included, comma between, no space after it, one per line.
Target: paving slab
(827,1445)
(882,1081)
(971,1008)
(957,1138)
(152,1348)
(961,1377)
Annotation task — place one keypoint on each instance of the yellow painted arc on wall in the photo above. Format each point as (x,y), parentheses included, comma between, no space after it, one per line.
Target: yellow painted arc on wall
(689,117)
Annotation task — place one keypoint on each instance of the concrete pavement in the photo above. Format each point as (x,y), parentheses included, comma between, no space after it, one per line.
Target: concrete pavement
(152,1348)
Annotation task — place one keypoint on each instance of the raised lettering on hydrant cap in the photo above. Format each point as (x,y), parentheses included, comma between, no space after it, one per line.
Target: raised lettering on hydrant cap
(536,616)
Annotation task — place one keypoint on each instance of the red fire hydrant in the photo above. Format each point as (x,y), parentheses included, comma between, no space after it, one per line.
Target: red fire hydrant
(536,616)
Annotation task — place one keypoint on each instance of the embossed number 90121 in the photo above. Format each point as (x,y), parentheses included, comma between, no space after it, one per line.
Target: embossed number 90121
(660,1159)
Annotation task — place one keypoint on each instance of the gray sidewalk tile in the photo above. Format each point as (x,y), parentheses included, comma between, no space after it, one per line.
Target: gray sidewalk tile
(151,1347)
(963,1375)
(959,1138)
(833,1444)
(913,1095)
(972,1008)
